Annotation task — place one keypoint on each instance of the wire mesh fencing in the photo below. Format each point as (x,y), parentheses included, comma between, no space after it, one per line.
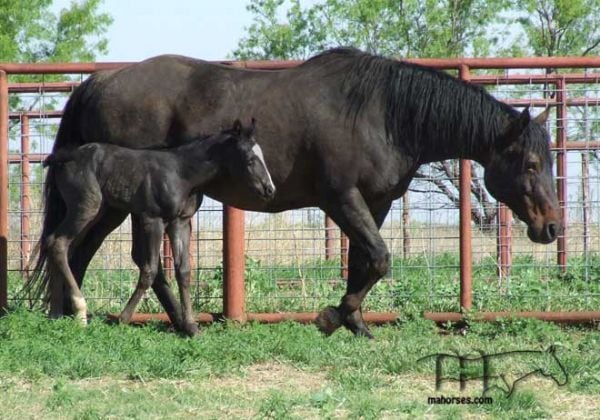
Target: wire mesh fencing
(297,261)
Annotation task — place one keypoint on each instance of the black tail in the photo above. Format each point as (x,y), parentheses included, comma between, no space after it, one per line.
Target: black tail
(36,288)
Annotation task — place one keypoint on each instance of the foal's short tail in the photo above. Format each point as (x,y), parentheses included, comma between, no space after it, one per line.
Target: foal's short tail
(58,157)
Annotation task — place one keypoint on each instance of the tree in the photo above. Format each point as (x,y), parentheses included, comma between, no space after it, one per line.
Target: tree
(560,27)
(401,28)
(406,28)
(30,32)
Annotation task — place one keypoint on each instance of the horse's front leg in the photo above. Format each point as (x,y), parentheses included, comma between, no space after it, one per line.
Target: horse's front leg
(148,239)
(179,232)
(369,260)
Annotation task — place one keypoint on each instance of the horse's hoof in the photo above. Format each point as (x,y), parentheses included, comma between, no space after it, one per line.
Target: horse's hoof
(328,320)
(356,324)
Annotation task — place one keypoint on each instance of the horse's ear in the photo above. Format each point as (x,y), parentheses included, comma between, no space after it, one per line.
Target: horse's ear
(543,117)
(514,129)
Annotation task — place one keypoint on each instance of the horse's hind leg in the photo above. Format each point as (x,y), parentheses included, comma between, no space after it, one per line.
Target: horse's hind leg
(147,259)
(179,232)
(368,262)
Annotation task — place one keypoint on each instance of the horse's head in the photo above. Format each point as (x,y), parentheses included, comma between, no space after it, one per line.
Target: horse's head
(245,161)
(519,173)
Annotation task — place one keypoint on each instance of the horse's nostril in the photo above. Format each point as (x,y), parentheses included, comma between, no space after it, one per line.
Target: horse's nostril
(552,230)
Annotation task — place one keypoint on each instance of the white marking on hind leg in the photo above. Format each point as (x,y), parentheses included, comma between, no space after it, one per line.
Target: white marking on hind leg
(80,309)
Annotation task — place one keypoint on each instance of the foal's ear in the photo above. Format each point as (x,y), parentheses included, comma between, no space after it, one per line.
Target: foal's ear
(237,127)
(523,119)
(252,126)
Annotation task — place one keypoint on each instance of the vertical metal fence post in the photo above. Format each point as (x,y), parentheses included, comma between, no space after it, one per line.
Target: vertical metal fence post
(561,170)
(3,191)
(234,299)
(504,241)
(25,193)
(329,246)
(466,263)
(344,247)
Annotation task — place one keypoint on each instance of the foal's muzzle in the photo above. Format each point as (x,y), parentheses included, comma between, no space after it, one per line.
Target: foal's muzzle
(268,191)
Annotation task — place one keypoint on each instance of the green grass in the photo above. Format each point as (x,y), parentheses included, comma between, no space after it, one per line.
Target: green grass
(276,371)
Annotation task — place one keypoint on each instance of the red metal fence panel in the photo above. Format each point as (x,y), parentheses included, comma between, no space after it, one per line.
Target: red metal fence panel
(292,266)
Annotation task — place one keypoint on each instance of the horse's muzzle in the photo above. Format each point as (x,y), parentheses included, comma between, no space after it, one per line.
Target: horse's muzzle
(546,233)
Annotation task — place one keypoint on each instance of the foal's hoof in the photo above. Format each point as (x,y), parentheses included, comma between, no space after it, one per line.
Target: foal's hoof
(328,320)
(190,329)
(363,332)
(82,320)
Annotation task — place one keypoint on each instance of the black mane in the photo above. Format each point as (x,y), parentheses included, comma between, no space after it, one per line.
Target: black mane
(425,108)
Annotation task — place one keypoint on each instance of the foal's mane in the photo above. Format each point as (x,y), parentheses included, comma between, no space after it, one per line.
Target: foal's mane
(424,108)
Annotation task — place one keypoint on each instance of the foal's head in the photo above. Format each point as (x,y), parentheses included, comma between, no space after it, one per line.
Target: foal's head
(244,160)
(519,174)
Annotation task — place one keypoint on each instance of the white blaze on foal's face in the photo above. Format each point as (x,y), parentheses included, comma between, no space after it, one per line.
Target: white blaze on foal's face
(258,152)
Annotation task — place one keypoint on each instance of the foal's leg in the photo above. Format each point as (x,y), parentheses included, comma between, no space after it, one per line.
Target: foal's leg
(179,232)
(82,254)
(350,211)
(160,284)
(75,223)
(149,253)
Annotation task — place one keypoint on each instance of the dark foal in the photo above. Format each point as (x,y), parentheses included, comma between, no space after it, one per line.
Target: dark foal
(160,188)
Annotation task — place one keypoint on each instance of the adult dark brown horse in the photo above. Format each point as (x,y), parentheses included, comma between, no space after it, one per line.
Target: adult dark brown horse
(345,131)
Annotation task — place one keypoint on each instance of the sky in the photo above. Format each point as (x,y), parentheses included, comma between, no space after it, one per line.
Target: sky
(207,29)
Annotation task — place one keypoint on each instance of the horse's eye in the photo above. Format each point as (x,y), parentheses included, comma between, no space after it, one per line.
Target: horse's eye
(532,166)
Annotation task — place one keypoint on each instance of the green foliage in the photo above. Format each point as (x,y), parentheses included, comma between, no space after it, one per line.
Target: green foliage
(561,27)
(30,32)
(408,28)
(283,29)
